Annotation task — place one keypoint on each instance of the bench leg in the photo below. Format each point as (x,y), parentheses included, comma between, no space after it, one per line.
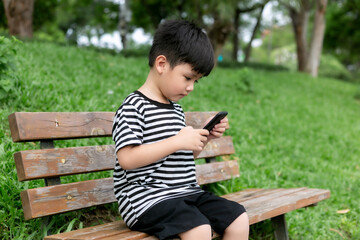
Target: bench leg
(45,224)
(279,223)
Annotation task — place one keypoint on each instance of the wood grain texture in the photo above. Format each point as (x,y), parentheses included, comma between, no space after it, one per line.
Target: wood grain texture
(118,226)
(35,126)
(45,201)
(197,119)
(218,171)
(265,204)
(260,204)
(44,163)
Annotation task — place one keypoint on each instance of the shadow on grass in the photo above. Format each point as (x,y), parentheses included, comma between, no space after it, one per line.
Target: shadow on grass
(252,65)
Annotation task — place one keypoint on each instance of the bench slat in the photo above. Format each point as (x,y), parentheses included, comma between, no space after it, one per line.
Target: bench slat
(30,126)
(118,226)
(44,163)
(217,171)
(197,119)
(35,126)
(45,201)
(273,202)
(126,236)
(111,234)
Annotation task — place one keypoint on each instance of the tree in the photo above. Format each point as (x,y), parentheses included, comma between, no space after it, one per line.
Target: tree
(221,27)
(240,9)
(19,17)
(124,19)
(148,14)
(87,17)
(299,13)
(342,35)
(218,25)
(256,28)
(313,59)
(43,15)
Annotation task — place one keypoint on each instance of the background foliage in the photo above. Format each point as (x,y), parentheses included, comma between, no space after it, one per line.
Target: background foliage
(66,21)
(8,80)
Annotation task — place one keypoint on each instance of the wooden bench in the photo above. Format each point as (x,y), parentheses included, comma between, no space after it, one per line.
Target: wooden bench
(51,164)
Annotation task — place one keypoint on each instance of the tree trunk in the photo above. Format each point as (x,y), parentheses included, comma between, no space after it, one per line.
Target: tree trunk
(257,25)
(124,18)
(236,34)
(238,11)
(313,60)
(19,17)
(300,23)
(218,35)
(300,19)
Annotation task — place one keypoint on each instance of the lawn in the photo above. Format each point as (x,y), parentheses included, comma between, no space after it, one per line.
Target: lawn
(290,130)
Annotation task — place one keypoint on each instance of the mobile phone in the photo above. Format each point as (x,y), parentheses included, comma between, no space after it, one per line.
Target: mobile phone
(215,120)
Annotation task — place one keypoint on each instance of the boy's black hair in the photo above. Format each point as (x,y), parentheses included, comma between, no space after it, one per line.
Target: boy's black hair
(183,42)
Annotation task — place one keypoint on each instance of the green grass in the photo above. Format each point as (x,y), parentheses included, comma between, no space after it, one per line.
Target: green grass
(290,130)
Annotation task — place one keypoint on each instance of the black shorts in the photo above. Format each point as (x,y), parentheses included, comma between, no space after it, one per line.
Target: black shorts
(170,217)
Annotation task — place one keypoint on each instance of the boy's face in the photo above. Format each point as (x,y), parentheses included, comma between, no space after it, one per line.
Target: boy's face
(179,81)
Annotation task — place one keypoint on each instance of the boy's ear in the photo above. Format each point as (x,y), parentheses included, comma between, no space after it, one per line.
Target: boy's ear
(160,63)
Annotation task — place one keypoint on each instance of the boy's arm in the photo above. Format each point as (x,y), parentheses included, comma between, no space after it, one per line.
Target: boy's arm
(132,157)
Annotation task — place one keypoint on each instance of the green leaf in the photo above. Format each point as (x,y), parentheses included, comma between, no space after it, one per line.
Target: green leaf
(3,94)
(71,224)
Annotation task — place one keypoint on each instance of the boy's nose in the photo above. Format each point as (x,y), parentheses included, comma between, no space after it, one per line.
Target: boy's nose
(190,87)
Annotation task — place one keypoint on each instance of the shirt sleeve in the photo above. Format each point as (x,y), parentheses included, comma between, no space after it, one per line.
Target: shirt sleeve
(127,127)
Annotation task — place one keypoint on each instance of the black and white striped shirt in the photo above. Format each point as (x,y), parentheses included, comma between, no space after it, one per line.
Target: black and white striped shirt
(140,120)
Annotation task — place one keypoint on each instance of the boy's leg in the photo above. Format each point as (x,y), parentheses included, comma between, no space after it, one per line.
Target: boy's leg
(224,215)
(173,217)
(238,229)
(200,232)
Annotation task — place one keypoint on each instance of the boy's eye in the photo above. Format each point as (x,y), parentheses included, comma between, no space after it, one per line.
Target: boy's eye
(187,78)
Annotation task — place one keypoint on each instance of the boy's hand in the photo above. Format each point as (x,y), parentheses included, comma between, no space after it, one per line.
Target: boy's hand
(219,128)
(192,139)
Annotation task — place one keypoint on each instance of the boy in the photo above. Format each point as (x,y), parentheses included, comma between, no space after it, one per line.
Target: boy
(154,175)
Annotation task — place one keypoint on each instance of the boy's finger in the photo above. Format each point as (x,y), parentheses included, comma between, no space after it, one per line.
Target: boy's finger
(203,132)
(221,125)
(224,120)
(220,130)
(203,139)
(216,134)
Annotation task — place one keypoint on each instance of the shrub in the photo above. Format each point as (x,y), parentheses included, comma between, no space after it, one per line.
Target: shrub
(8,78)
(357,94)
(136,51)
(50,33)
(332,67)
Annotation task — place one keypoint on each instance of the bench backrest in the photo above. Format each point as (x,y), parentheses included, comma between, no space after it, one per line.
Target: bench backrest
(51,163)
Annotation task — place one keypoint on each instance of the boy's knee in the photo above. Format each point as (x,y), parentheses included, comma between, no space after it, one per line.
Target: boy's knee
(199,232)
(239,228)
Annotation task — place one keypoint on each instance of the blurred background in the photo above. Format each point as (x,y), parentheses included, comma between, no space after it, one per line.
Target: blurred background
(318,37)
